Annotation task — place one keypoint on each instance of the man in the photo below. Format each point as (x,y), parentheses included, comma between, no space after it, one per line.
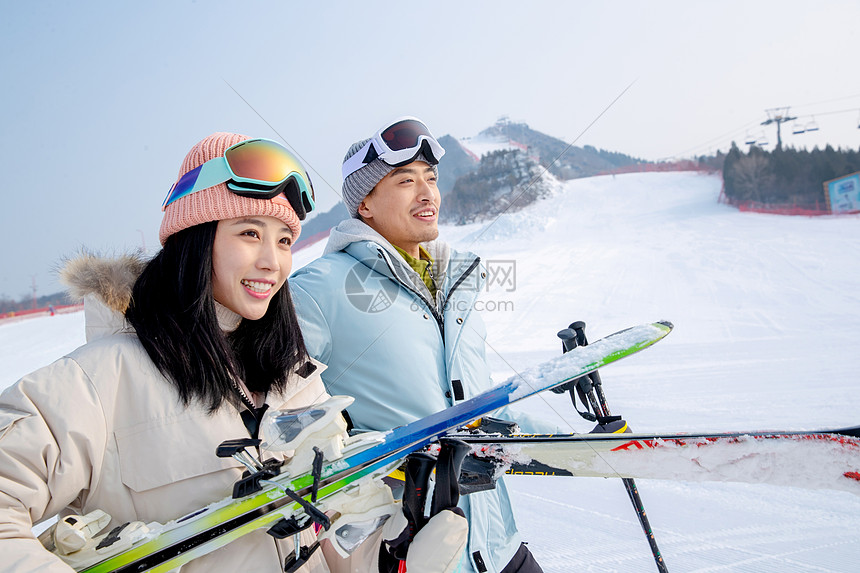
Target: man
(390,310)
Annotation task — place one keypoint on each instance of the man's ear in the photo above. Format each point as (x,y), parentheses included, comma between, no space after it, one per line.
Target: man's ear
(364,210)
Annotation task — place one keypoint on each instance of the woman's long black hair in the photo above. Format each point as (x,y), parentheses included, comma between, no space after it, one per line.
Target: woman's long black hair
(173,312)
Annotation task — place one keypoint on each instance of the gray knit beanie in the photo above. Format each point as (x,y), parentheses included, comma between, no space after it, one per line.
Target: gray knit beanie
(359,184)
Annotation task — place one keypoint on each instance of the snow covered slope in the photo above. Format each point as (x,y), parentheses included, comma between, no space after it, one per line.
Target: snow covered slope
(766,312)
(481,145)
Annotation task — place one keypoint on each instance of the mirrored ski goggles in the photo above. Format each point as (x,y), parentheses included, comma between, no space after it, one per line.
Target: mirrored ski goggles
(398,144)
(255,168)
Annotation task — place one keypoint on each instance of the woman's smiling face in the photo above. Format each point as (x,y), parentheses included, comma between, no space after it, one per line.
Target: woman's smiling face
(251,260)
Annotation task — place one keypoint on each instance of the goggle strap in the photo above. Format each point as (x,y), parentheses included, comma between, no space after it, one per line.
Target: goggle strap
(183,182)
(213,173)
(371,154)
(209,174)
(356,160)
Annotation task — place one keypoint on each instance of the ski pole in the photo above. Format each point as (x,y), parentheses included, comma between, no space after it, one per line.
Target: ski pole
(573,336)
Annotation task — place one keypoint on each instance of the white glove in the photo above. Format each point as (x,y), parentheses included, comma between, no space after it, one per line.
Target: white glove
(439,546)
(80,540)
(72,532)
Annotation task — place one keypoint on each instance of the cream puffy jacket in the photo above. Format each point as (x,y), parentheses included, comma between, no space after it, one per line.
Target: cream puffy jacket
(102,429)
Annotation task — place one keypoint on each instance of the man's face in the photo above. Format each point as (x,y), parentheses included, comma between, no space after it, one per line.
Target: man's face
(404,207)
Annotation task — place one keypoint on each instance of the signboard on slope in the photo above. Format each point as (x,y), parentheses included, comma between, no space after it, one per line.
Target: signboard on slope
(843,194)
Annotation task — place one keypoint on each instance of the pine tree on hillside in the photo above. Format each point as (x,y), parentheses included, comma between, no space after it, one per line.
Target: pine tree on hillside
(786,176)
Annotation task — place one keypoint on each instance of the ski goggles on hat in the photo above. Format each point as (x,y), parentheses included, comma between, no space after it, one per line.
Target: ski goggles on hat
(255,168)
(398,144)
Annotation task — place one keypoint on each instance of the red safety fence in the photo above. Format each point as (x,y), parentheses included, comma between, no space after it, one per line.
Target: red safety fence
(683,165)
(16,315)
(755,207)
(308,241)
(817,210)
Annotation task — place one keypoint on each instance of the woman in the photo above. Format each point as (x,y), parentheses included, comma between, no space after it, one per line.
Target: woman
(129,422)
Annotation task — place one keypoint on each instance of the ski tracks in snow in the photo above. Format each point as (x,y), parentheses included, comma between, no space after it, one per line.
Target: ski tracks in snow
(601,534)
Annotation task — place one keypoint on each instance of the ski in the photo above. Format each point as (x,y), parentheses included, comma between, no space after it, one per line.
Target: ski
(827,459)
(286,496)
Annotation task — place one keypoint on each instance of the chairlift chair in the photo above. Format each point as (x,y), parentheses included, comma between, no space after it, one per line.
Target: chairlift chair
(797,129)
(812,125)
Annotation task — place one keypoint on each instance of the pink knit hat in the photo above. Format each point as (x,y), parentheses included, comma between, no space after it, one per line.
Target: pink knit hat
(218,202)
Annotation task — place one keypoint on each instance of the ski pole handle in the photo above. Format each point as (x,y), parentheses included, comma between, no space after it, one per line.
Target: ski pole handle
(573,336)
(419,466)
(446,494)
(568,338)
(578,328)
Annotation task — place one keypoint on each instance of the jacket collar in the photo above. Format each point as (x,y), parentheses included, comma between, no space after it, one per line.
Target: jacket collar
(352,232)
(104,284)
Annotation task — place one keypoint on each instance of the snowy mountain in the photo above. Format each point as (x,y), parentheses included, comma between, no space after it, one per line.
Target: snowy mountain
(457,161)
(563,160)
(766,312)
(506,181)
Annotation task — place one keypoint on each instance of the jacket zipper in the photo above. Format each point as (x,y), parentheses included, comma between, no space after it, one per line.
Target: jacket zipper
(408,287)
(244,397)
(254,411)
(464,275)
(462,278)
(439,319)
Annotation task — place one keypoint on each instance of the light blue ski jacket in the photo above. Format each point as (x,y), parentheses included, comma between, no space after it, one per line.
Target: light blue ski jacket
(403,355)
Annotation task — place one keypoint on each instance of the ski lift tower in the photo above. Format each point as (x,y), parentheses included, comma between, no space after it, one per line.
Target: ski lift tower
(778,115)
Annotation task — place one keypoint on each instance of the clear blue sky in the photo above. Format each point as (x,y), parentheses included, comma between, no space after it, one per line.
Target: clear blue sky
(101,100)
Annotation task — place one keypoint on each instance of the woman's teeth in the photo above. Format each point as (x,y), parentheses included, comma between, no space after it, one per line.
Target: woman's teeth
(257,287)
